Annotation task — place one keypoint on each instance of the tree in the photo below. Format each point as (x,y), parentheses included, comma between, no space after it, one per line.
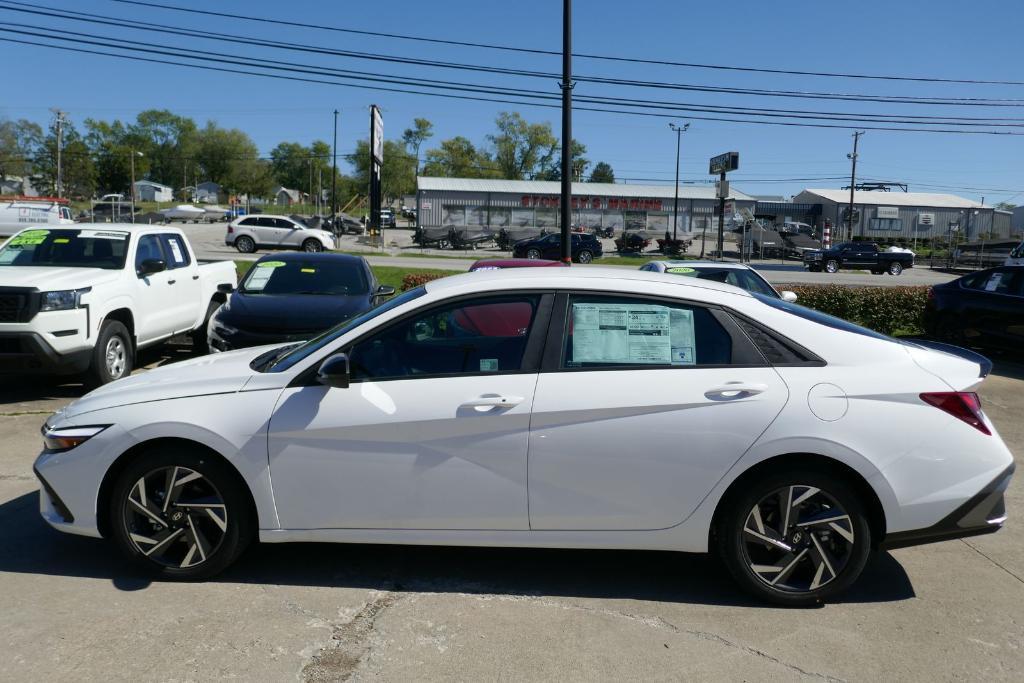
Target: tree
(553,169)
(521,149)
(18,140)
(396,175)
(77,168)
(602,173)
(415,137)
(290,165)
(1006,206)
(112,147)
(168,143)
(458,158)
(230,158)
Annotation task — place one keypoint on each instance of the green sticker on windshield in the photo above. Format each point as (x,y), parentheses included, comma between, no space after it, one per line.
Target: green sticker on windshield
(681,271)
(29,238)
(271,264)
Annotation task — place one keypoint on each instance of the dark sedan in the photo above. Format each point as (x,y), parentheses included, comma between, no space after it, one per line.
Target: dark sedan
(981,309)
(293,297)
(585,247)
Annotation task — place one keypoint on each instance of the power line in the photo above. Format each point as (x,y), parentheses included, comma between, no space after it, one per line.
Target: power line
(504,101)
(266,42)
(537,51)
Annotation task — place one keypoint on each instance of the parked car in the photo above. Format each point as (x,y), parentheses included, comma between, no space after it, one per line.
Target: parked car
(735,274)
(500,263)
(18,213)
(585,248)
(387,219)
(493,409)
(275,232)
(88,298)
(860,255)
(293,297)
(409,213)
(984,309)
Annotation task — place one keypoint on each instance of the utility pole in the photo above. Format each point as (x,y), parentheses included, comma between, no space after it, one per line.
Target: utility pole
(853,182)
(566,85)
(679,130)
(334,175)
(721,220)
(133,155)
(60,143)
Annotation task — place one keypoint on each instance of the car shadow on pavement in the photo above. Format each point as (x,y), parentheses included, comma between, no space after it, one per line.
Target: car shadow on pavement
(29,546)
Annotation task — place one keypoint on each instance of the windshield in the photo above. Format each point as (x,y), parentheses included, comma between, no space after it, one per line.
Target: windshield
(822,318)
(301,276)
(737,277)
(71,248)
(294,354)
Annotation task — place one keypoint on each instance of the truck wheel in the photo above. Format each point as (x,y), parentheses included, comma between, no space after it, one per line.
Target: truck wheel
(201,342)
(895,268)
(245,245)
(831,266)
(112,355)
(585,257)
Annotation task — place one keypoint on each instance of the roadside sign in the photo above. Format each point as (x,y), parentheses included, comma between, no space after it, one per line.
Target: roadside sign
(377,135)
(730,207)
(723,163)
(722,189)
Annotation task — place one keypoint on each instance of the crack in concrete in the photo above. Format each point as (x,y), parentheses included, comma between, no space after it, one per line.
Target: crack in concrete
(349,644)
(977,550)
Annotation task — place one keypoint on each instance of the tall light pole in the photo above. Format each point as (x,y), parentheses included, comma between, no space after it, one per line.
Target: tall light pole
(133,155)
(679,130)
(59,181)
(853,182)
(334,174)
(566,85)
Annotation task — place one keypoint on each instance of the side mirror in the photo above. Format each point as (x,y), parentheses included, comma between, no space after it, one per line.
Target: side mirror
(225,288)
(333,371)
(151,266)
(788,296)
(385,290)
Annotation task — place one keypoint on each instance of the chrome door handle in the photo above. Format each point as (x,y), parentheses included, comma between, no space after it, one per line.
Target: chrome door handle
(493,402)
(732,390)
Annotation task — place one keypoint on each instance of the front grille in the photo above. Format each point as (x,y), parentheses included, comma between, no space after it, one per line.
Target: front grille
(12,307)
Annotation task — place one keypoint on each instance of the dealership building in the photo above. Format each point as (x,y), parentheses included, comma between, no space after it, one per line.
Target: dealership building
(496,204)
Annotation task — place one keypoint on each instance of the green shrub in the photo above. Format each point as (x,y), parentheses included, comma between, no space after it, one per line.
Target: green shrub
(413,280)
(885,309)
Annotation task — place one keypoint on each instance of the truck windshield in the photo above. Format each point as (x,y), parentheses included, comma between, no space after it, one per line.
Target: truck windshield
(73,248)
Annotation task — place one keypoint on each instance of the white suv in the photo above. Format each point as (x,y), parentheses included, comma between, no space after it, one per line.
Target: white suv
(249,233)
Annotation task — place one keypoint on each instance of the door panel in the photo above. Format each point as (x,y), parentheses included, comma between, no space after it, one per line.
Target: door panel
(154,294)
(403,454)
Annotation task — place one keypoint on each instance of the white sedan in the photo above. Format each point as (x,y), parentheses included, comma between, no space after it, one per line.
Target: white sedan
(737,274)
(556,407)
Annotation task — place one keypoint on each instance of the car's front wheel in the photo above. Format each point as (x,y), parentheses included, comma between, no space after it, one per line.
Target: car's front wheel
(112,356)
(312,246)
(795,538)
(179,514)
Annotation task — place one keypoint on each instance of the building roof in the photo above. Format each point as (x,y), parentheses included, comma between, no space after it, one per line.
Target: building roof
(579,189)
(865,197)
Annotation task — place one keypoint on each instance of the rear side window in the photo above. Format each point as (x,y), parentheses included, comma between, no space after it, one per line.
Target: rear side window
(1002,282)
(603,331)
(820,318)
(177,253)
(249,221)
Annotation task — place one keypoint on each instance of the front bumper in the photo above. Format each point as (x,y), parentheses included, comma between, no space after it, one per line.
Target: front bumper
(984,513)
(30,353)
(244,339)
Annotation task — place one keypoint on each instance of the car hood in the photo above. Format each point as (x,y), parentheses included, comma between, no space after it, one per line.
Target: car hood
(221,373)
(290,313)
(51,279)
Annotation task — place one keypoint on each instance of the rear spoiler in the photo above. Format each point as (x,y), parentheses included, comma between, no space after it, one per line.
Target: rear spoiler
(984,363)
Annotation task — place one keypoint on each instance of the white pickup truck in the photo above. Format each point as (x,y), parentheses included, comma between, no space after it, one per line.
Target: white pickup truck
(88,297)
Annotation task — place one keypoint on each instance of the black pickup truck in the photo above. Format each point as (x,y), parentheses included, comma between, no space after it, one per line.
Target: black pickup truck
(858,255)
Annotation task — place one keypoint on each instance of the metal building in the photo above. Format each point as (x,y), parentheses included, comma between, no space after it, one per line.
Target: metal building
(909,215)
(472,202)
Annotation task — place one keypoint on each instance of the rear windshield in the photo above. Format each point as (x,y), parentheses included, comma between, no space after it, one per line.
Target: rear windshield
(737,277)
(305,277)
(73,248)
(821,318)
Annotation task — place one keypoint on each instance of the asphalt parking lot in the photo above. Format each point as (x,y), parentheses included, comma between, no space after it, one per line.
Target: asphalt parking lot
(72,610)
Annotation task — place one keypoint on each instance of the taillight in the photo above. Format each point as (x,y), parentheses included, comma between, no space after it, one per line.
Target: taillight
(231,230)
(963,405)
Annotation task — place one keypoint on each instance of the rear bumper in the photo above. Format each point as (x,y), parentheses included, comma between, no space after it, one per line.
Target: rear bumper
(984,513)
(28,353)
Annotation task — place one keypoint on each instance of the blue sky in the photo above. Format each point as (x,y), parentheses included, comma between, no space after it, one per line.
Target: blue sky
(939,38)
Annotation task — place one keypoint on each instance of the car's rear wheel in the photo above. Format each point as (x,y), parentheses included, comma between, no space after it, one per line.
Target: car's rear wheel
(831,266)
(533,253)
(795,538)
(312,246)
(895,268)
(585,257)
(246,245)
(179,514)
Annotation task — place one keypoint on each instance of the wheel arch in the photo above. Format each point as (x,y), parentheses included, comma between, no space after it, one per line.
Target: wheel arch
(866,492)
(113,472)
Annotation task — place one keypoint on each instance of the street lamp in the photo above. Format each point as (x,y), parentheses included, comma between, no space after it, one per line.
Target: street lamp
(135,153)
(679,130)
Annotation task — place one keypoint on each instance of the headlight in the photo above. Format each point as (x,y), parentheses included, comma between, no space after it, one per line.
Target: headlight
(63,300)
(66,438)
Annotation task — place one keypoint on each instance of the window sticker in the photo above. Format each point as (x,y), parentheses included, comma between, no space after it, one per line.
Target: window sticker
(28,238)
(176,251)
(9,255)
(682,271)
(270,264)
(683,341)
(103,234)
(993,282)
(259,279)
(488,365)
(632,334)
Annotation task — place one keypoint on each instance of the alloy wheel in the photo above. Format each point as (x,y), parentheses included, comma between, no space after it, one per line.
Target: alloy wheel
(797,539)
(115,357)
(175,517)
(533,254)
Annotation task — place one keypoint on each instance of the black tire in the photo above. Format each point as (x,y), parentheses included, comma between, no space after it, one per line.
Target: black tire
(533,253)
(245,244)
(742,551)
(312,246)
(895,268)
(585,257)
(216,547)
(831,266)
(200,340)
(113,356)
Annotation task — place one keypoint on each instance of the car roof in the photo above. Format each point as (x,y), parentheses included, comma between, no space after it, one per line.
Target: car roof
(119,227)
(321,257)
(514,263)
(584,276)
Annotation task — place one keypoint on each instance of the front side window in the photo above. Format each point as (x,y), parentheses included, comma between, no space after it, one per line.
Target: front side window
(148,249)
(604,331)
(177,253)
(480,336)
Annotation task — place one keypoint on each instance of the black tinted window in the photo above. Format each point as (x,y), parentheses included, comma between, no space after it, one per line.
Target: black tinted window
(481,336)
(149,248)
(284,223)
(249,221)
